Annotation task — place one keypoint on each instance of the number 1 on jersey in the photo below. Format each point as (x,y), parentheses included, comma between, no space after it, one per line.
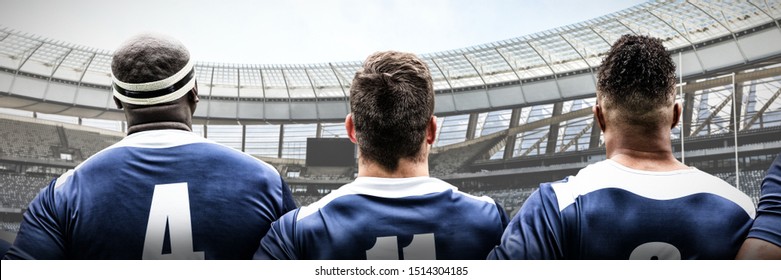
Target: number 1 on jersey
(386,248)
(171,207)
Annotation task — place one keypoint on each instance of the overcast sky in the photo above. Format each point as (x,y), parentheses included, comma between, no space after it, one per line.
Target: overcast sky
(293,32)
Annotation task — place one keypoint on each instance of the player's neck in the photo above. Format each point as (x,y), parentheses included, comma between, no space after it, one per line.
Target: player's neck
(167,116)
(643,152)
(407,168)
(157,126)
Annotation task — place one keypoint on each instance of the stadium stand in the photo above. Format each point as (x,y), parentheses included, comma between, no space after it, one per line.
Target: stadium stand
(328,173)
(448,160)
(510,199)
(19,189)
(9,227)
(28,140)
(88,143)
(750,182)
(304,200)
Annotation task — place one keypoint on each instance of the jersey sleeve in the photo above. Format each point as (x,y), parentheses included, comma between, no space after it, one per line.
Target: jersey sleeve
(767,225)
(40,235)
(278,243)
(535,232)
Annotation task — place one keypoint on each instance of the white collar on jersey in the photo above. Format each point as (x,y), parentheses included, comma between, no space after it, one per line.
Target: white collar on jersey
(664,185)
(386,188)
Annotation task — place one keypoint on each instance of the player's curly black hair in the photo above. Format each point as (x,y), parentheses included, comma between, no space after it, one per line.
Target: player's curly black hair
(148,58)
(637,79)
(392,101)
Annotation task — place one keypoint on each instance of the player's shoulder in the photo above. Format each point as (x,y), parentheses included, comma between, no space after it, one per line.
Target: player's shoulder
(181,143)
(457,193)
(314,208)
(391,188)
(611,176)
(224,153)
(207,149)
(289,218)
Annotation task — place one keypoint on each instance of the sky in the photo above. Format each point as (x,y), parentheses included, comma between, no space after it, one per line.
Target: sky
(298,31)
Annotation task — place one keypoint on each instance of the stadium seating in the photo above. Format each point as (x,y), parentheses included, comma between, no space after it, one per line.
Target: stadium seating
(328,173)
(28,140)
(452,160)
(89,143)
(750,182)
(37,141)
(306,199)
(19,189)
(9,227)
(510,199)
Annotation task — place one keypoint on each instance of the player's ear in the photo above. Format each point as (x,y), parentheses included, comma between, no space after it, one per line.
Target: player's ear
(677,108)
(350,127)
(431,130)
(192,98)
(599,117)
(119,103)
(194,93)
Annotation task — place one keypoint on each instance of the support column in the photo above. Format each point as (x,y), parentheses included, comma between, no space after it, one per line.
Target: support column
(553,134)
(471,126)
(736,113)
(509,147)
(281,137)
(596,132)
(688,113)
(243,138)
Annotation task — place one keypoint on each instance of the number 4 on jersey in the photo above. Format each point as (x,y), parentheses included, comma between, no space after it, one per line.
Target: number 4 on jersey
(171,207)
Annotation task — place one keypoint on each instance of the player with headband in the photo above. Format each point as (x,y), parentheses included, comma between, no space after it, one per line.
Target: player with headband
(162,192)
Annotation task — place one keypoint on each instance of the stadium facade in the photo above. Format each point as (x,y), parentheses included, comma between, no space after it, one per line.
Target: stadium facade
(512,113)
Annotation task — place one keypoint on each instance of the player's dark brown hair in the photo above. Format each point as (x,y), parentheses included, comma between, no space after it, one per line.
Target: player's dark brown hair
(636,80)
(392,101)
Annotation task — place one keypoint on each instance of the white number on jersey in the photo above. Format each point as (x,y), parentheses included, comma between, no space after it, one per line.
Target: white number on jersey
(170,205)
(386,248)
(655,251)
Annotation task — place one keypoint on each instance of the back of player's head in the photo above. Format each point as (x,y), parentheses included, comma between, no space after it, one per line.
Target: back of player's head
(151,69)
(392,102)
(636,81)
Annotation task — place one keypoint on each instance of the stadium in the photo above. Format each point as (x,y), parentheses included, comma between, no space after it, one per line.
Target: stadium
(511,113)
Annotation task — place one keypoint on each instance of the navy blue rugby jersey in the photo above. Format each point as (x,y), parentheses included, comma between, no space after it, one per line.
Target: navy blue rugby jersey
(609,211)
(767,225)
(383,218)
(162,194)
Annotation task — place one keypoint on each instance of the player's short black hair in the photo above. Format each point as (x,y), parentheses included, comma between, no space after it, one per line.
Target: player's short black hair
(148,58)
(637,79)
(392,101)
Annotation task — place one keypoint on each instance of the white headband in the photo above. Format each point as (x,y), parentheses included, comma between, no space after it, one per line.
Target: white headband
(161,91)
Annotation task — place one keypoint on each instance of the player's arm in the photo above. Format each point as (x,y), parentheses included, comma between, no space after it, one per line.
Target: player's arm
(533,233)
(278,243)
(758,249)
(40,235)
(764,239)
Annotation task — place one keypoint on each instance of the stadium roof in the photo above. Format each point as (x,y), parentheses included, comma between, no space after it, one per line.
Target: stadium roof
(55,77)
